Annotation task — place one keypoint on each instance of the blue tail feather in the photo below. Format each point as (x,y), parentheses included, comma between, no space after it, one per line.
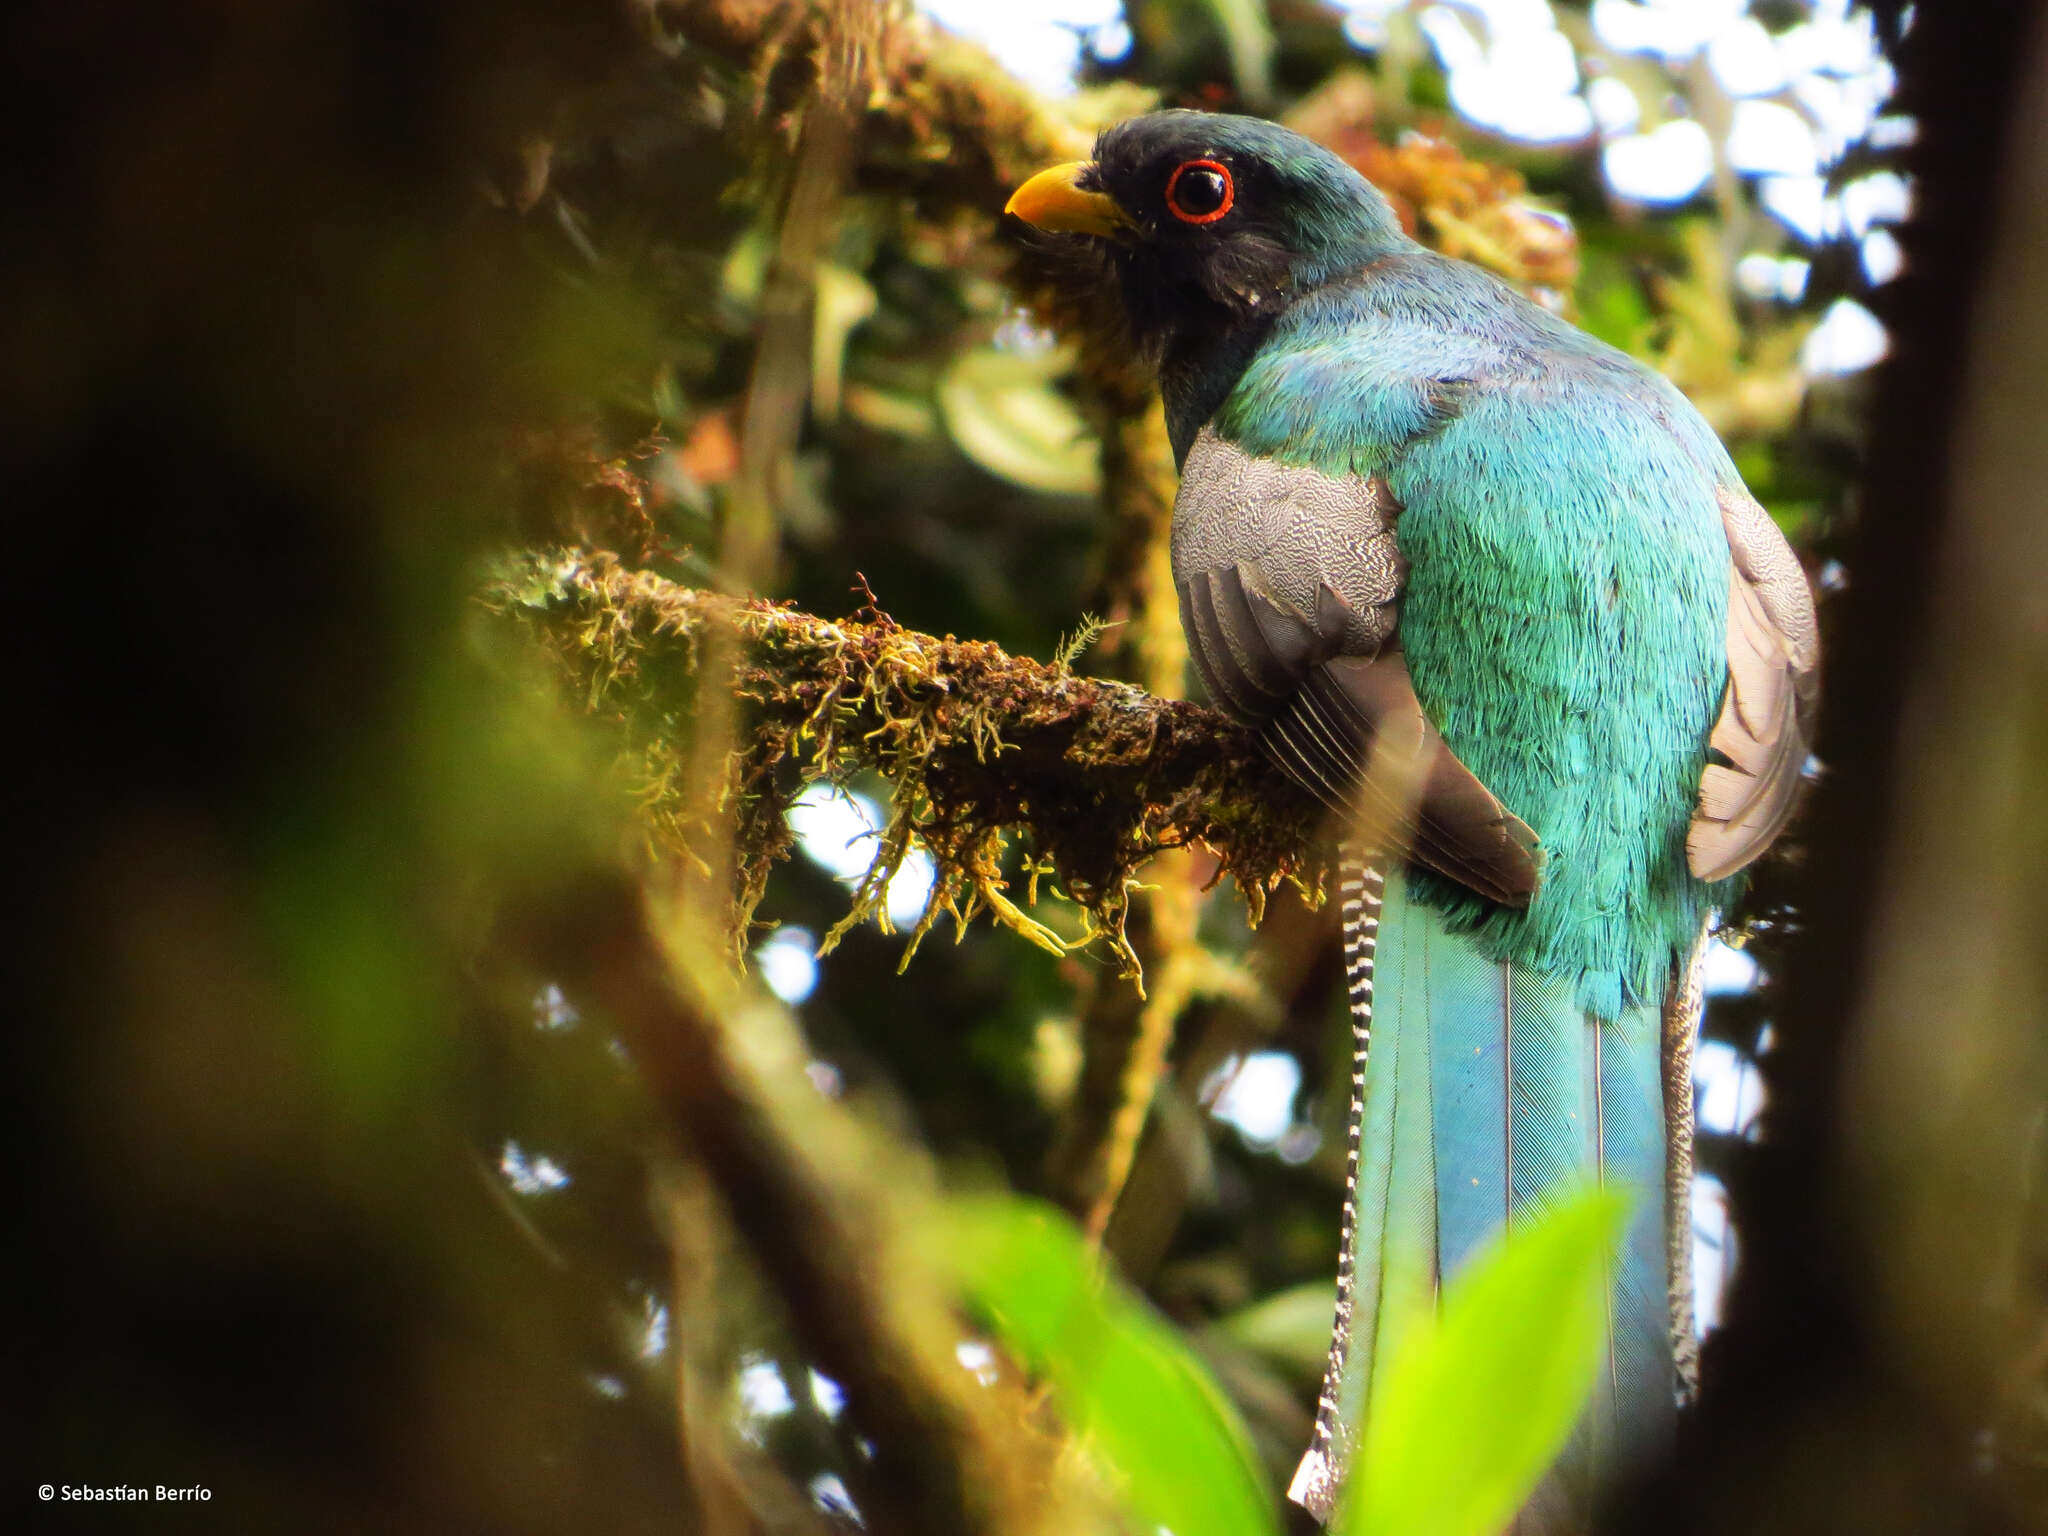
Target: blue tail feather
(1632,1141)
(1411,1243)
(1490,1091)
(1460,1009)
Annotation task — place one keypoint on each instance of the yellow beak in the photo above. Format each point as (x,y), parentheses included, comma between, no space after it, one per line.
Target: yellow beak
(1053,200)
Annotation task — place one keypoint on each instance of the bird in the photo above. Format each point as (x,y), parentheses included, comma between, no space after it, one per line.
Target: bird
(1495,594)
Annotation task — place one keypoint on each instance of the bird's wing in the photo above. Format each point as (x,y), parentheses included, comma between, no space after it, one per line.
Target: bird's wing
(1760,742)
(1288,580)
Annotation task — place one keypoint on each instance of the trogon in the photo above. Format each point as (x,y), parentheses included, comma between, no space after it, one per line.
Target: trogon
(1494,592)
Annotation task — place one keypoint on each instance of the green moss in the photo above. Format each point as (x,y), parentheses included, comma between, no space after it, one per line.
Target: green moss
(985,751)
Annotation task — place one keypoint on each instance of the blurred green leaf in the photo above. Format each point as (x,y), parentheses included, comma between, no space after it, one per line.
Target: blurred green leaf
(1478,1401)
(745,272)
(1290,1327)
(1005,413)
(890,411)
(843,300)
(1611,302)
(1149,1413)
(1800,520)
(1248,35)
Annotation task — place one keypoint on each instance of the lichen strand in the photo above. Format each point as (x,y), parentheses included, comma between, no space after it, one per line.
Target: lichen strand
(981,747)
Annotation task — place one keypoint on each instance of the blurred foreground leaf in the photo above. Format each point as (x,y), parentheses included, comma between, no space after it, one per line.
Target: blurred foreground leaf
(1479,1400)
(1157,1426)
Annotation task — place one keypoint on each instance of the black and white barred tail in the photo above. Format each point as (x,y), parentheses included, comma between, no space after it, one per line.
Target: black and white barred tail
(1361,885)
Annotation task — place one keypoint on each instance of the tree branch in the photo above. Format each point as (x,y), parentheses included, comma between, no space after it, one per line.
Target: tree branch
(979,744)
(944,103)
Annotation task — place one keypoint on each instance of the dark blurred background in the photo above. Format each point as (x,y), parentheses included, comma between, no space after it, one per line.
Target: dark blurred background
(348,1207)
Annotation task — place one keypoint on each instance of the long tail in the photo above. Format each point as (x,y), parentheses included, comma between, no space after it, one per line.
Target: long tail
(1361,887)
(1684,1005)
(1489,1089)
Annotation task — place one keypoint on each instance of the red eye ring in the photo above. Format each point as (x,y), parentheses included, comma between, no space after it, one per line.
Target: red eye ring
(1229,191)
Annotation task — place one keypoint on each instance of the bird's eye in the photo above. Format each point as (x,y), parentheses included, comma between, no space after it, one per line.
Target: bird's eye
(1200,191)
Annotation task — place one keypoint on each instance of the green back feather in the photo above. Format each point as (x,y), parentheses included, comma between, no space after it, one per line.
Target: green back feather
(1566,608)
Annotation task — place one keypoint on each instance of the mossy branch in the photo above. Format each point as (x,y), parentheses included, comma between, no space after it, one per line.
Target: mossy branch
(981,746)
(935,100)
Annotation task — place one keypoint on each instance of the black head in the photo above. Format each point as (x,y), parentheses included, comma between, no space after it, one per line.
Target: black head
(1209,222)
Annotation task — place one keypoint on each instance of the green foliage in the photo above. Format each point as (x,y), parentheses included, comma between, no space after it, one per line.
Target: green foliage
(1005,414)
(1290,1328)
(1074,645)
(1248,35)
(1479,1400)
(1152,1420)
(315,1012)
(1611,302)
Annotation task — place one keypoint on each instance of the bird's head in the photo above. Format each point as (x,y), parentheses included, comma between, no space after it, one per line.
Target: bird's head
(1209,221)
